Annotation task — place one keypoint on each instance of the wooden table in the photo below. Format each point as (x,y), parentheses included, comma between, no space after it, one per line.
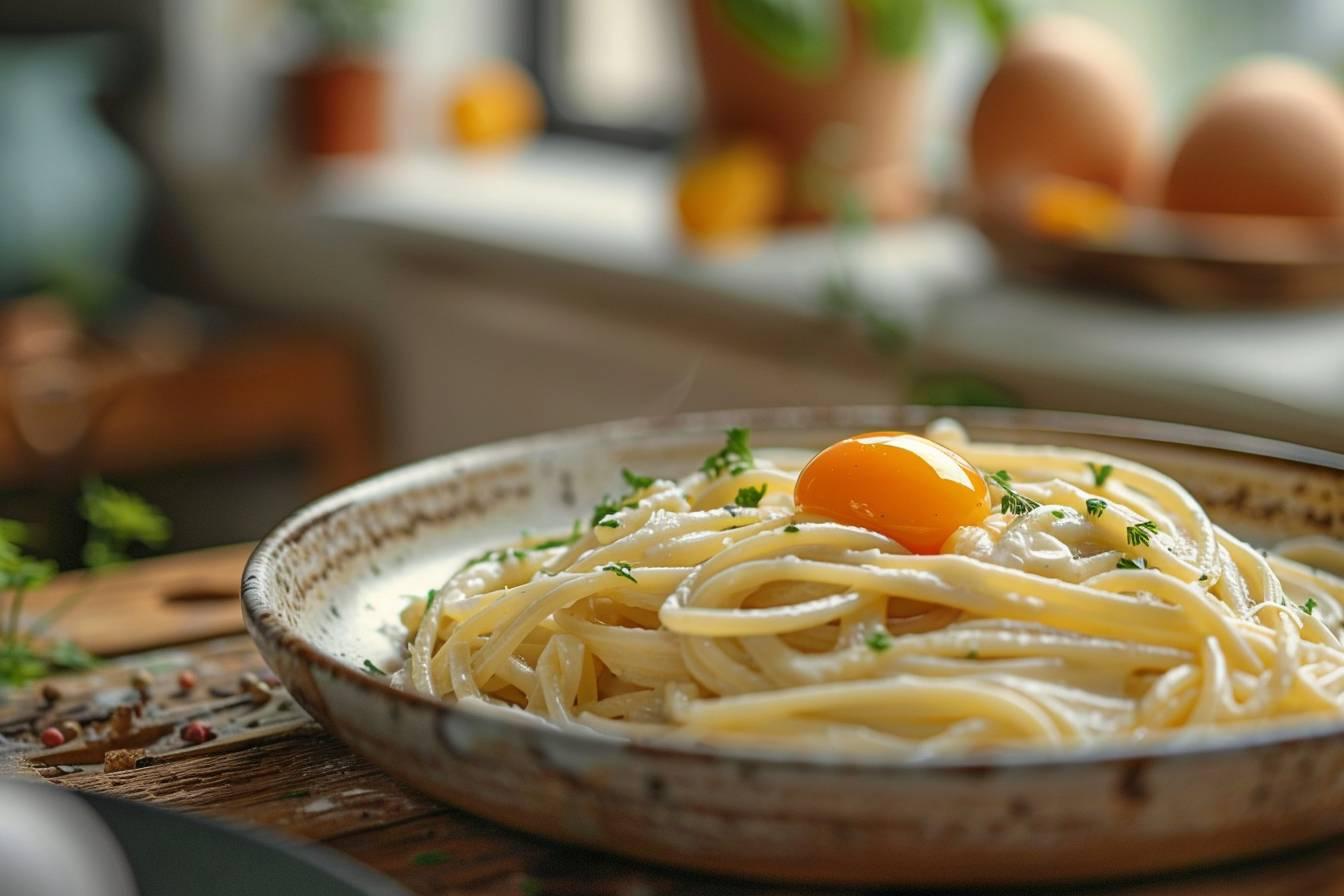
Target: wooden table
(270,765)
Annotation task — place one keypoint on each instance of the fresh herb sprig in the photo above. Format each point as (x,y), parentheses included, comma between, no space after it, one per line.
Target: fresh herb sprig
(1100,473)
(1140,533)
(750,496)
(117,521)
(621,569)
(734,457)
(1310,606)
(1012,502)
(1096,507)
(1126,563)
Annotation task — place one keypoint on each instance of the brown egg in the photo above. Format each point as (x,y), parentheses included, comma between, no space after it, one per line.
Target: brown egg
(1068,99)
(1268,139)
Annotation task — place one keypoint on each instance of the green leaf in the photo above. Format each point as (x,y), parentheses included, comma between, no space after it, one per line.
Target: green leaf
(1309,606)
(620,569)
(1100,473)
(750,496)
(13,533)
(735,457)
(1096,507)
(371,668)
(997,18)
(118,519)
(635,481)
(802,35)
(19,665)
(19,572)
(878,640)
(790,528)
(896,27)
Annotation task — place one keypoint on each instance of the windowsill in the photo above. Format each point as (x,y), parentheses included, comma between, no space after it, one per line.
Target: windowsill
(607,210)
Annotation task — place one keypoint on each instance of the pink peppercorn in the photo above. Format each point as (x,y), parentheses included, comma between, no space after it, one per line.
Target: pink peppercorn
(186,680)
(197,732)
(52,737)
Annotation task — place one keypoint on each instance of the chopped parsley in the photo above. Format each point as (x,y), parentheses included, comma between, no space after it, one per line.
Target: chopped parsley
(1058,514)
(1100,473)
(621,569)
(1096,507)
(1204,578)
(607,506)
(972,654)
(433,857)
(878,641)
(735,456)
(430,598)
(371,669)
(790,528)
(635,481)
(294,794)
(1140,533)
(1309,606)
(750,496)
(610,524)
(1126,563)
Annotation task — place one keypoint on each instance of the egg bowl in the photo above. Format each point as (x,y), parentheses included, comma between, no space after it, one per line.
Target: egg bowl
(322,594)
(1060,231)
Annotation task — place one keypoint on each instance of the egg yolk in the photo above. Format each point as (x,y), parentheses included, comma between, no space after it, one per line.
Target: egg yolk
(904,486)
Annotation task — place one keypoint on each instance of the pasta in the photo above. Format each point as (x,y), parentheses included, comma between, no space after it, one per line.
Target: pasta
(1088,598)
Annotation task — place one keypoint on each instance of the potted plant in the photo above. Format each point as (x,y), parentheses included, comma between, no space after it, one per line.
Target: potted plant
(339,97)
(831,87)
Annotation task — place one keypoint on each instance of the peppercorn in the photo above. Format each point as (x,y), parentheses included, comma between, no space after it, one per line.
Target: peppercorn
(71,729)
(197,732)
(141,680)
(247,681)
(186,680)
(50,693)
(52,737)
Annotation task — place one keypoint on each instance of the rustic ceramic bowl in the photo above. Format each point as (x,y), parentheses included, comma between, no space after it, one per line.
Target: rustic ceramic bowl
(323,591)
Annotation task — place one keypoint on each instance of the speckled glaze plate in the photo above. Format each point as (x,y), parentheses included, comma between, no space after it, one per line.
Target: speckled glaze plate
(322,594)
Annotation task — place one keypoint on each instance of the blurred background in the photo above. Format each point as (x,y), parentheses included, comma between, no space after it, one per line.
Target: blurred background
(252,250)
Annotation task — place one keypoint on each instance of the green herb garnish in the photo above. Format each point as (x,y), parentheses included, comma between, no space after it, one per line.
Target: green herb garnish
(1126,563)
(610,524)
(621,569)
(294,794)
(372,669)
(878,641)
(1058,514)
(972,654)
(790,528)
(750,496)
(635,481)
(1096,507)
(1012,502)
(1140,533)
(1100,473)
(735,457)
(1309,606)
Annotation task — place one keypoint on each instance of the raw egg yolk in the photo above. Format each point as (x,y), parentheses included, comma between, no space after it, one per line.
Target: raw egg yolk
(904,486)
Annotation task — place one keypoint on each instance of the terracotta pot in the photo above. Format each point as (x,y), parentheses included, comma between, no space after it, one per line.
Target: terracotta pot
(338,106)
(853,125)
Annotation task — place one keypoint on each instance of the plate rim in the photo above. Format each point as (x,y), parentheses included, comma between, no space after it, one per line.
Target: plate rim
(264,625)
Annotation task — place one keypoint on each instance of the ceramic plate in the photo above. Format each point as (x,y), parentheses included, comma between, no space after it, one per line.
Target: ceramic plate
(323,591)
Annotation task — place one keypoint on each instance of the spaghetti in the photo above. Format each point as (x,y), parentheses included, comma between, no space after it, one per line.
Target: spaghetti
(1091,599)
